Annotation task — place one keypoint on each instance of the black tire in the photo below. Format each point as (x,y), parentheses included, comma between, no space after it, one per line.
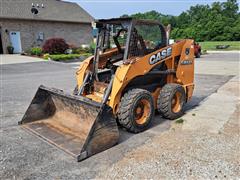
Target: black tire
(132,101)
(171,101)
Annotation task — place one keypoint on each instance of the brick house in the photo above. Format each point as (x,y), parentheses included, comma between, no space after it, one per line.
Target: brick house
(28,23)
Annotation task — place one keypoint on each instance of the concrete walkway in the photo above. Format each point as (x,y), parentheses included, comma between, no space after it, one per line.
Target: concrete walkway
(16,58)
(216,110)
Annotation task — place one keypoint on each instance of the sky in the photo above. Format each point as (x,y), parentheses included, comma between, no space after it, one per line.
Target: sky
(110,8)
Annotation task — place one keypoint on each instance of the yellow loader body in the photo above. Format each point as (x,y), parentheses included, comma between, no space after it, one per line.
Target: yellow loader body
(183,74)
(134,71)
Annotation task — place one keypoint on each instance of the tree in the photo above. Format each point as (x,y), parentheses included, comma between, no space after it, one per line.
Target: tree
(218,22)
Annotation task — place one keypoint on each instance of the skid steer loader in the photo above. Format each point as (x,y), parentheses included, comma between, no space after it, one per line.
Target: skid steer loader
(133,73)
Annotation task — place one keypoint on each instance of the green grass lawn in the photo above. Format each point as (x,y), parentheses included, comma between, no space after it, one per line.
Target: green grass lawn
(211,45)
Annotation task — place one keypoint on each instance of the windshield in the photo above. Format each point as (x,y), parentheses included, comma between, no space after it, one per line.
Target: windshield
(113,36)
(146,38)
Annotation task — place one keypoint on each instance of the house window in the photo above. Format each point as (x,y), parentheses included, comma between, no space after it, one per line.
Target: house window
(40,36)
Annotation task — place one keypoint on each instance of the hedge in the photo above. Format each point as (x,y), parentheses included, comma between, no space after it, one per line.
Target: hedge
(62,57)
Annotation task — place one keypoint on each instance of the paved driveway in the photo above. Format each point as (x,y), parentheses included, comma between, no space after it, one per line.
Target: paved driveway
(25,156)
(16,59)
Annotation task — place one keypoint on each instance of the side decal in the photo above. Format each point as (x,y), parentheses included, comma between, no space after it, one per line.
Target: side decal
(160,56)
(186,62)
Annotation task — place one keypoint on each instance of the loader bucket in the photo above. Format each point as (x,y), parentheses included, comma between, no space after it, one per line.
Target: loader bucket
(75,124)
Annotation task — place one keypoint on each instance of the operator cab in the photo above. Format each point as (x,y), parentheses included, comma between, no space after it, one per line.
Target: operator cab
(121,40)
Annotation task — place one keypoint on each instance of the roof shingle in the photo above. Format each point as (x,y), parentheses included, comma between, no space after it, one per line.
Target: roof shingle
(52,10)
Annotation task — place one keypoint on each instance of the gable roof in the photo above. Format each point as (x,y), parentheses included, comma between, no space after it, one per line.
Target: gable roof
(52,10)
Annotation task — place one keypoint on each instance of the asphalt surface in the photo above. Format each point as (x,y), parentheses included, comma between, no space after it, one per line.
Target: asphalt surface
(26,156)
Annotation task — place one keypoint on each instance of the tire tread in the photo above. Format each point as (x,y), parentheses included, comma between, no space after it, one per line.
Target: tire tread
(125,106)
(165,98)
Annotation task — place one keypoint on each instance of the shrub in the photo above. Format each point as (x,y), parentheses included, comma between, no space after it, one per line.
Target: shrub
(10,49)
(92,47)
(80,50)
(46,56)
(71,48)
(55,46)
(62,57)
(59,57)
(36,51)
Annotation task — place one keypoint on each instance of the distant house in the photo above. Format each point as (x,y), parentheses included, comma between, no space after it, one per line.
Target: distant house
(28,23)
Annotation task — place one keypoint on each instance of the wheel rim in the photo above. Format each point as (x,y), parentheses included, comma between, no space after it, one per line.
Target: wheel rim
(176,102)
(142,111)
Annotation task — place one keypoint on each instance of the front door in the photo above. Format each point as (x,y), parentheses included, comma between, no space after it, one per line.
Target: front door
(16,41)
